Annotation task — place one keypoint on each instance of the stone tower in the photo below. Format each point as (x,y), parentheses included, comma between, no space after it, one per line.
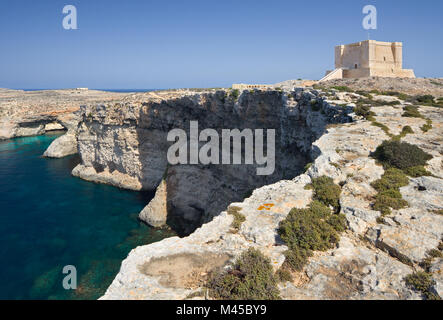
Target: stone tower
(369,58)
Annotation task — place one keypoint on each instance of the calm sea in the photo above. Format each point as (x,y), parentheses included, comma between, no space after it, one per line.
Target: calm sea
(49,219)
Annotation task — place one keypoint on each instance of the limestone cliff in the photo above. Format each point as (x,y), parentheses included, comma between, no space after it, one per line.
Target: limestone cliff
(126,145)
(374,255)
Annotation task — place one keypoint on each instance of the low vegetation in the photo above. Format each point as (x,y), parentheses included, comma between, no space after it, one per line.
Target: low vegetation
(235,94)
(431,255)
(306,230)
(315,228)
(422,282)
(426,127)
(399,159)
(404,132)
(383,127)
(238,218)
(388,187)
(307,166)
(411,112)
(326,191)
(364,111)
(417,171)
(342,88)
(400,155)
(251,277)
(376,103)
(283,274)
(426,100)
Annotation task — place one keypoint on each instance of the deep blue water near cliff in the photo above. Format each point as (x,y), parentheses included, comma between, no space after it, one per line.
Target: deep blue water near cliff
(49,219)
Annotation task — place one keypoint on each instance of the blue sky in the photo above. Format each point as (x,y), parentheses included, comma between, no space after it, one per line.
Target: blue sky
(169,44)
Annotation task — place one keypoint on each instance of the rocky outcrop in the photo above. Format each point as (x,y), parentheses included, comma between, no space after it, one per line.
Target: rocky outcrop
(156,212)
(62,146)
(29,113)
(374,255)
(126,145)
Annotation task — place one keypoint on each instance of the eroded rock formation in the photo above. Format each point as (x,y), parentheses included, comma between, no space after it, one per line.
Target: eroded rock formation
(374,255)
(126,145)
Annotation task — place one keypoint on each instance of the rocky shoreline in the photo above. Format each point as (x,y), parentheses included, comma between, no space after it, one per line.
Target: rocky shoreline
(125,145)
(369,261)
(122,142)
(29,113)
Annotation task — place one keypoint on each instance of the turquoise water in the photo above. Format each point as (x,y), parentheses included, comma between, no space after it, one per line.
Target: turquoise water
(49,219)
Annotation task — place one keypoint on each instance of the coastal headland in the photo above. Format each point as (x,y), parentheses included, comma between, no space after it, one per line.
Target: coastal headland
(332,129)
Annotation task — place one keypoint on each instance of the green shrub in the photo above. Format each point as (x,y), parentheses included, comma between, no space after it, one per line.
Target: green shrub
(434,253)
(326,191)
(400,155)
(425,99)
(402,96)
(397,94)
(380,220)
(404,132)
(417,171)
(364,94)
(313,228)
(391,103)
(342,88)
(283,275)
(238,218)
(235,94)
(381,126)
(251,277)
(306,168)
(296,258)
(392,179)
(309,228)
(411,112)
(422,282)
(399,159)
(364,111)
(384,204)
(391,193)
(426,127)
(337,221)
(388,188)
(306,230)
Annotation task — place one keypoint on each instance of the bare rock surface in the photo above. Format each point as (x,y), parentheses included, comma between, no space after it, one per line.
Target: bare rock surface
(156,212)
(418,86)
(62,146)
